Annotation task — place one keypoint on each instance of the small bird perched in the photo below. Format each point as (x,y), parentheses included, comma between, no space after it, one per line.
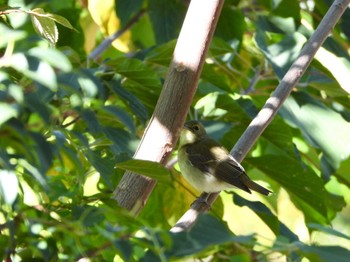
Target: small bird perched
(208,166)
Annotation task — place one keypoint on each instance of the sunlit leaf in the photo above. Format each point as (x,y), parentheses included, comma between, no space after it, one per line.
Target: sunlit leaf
(11,35)
(318,124)
(44,26)
(338,66)
(35,69)
(7,112)
(8,186)
(282,54)
(53,57)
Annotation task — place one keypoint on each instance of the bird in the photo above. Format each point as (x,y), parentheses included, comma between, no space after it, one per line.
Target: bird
(208,166)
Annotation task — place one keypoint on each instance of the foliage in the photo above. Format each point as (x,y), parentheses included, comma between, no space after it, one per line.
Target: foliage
(69,126)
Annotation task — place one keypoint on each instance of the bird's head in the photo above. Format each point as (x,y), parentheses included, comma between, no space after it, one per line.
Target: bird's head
(192,131)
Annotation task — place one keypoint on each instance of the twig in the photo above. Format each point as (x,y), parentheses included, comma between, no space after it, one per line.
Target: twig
(95,54)
(267,113)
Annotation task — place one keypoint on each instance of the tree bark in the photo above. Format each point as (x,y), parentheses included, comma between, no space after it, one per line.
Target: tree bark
(273,104)
(174,102)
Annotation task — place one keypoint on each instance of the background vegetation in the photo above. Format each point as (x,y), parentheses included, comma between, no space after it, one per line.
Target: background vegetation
(70,118)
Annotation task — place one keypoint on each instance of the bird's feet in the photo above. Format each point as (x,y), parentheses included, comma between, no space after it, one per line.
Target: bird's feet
(202,199)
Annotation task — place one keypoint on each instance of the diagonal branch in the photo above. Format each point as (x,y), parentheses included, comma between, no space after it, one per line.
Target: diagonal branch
(273,104)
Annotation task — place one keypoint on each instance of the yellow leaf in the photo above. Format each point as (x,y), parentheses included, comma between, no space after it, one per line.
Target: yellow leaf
(105,17)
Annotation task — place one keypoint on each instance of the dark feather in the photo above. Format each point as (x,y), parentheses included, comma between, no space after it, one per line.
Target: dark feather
(215,160)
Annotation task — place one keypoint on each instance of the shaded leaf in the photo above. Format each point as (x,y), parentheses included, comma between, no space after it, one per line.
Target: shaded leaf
(328,230)
(325,253)
(166,17)
(231,24)
(123,117)
(304,184)
(125,9)
(276,226)
(135,104)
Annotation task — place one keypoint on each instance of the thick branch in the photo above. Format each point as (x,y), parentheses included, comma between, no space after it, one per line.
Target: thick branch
(174,102)
(272,105)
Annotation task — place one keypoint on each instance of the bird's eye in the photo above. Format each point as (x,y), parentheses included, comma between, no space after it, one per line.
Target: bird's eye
(196,127)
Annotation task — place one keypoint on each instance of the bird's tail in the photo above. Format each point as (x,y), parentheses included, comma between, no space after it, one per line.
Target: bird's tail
(256,187)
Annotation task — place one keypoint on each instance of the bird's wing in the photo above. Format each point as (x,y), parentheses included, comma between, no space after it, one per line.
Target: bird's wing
(215,160)
(206,159)
(233,173)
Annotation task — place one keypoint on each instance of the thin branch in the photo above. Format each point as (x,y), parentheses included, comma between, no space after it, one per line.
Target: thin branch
(105,44)
(272,105)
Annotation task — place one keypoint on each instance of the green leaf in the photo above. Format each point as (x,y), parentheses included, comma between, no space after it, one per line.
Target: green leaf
(7,112)
(325,253)
(136,72)
(219,47)
(319,124)
(39,12)
(207,232)
(231,24)
(125,9)
(135,104)
(299,182)
(123,116)
(343,172)
(166,17)
(83,82)
(162,54)
(52,57)
(123,141)
(103,164)
(35,69)
(44,26)
(276,226)
(287,8)
(283,53)
(337,62)
(328,230)
(139,79)
(11,35)
(61,20)
(147,168)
